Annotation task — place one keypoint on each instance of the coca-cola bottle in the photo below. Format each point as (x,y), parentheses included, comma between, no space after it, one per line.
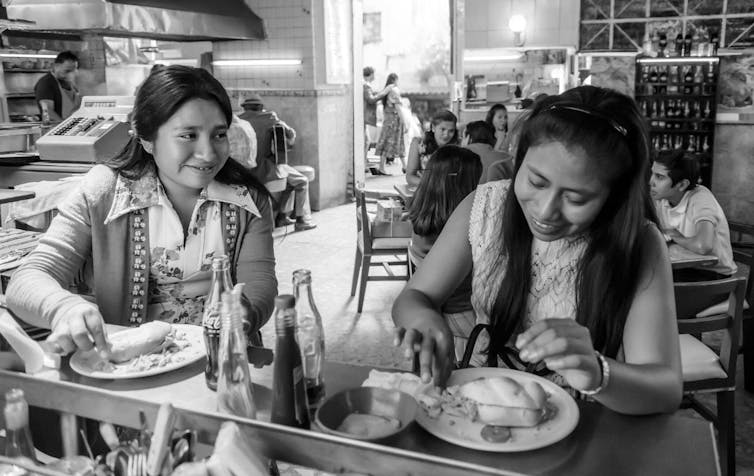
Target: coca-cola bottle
(17,433)
(289,405)
(211,321)
(234,386)
(310,335)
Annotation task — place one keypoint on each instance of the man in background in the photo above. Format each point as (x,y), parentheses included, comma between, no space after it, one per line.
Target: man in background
(370,106)
(479,137)
(56,92)
(690,215)
(263,122)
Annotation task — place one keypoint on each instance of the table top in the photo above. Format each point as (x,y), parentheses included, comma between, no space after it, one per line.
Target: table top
(657,444)
(8,195)
(405,190)
(680,258)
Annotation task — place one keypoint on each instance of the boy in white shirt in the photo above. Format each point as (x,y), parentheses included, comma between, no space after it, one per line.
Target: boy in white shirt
(690,215)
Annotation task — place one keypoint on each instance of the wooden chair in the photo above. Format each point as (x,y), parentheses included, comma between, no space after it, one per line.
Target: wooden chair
(707,371)
(369,247)
(742,240)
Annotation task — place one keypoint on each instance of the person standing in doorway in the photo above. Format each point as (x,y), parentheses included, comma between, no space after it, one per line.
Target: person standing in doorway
(370,109)
(390,144)
(56,92)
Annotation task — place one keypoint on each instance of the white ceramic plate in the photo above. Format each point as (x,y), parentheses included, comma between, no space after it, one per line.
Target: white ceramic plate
(466,433)
(89,363)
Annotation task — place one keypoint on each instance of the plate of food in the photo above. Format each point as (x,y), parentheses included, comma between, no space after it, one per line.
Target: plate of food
(496,409)
(150,349)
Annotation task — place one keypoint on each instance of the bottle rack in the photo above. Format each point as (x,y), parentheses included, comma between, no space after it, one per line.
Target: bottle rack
(678,96)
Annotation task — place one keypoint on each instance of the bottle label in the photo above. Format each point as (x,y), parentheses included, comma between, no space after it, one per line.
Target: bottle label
(211,321)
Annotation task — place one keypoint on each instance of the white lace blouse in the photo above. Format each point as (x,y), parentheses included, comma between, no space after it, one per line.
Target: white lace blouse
(553,274)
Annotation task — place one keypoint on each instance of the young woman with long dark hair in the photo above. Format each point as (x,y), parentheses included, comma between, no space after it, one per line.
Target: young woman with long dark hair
(451,174)
(144,226)
(567,262)
(443,131)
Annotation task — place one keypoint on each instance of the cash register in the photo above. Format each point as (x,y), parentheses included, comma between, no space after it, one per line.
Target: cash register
(95,132)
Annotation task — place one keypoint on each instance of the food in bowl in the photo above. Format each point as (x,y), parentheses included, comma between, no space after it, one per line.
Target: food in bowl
(369,426)
(366,413)
(498,401)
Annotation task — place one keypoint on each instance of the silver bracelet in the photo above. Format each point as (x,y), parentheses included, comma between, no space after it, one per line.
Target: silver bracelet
(605,366)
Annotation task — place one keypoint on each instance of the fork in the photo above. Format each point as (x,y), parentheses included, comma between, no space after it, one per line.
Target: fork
(137,464)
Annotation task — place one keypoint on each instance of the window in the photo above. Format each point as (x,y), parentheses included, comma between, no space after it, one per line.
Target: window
(372,27)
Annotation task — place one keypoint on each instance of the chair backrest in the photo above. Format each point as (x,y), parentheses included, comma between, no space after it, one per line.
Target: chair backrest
(363,229)
(693,297)
(742,241)
(279,144)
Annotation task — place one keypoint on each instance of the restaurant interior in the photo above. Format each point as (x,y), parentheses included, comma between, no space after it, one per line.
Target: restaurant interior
(687,64)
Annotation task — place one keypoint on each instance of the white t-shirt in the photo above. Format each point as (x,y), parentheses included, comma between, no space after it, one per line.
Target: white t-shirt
(699,205)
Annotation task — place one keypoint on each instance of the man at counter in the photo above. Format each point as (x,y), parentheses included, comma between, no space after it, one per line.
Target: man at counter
(56,92)
(479,137)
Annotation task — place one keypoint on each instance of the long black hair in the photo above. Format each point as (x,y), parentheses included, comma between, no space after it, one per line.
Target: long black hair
(608,127)
(430,144)
(452,173)
(160,96)
(391,79)
(491,115)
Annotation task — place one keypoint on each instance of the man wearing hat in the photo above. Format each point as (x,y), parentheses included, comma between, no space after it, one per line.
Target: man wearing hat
(263,122)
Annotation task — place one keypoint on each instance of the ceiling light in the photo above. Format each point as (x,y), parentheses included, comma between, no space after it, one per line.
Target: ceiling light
(517,23)
(258,62)
(26,55)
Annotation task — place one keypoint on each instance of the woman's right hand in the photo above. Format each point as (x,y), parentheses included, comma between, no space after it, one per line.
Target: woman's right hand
(83,328)
(434,344)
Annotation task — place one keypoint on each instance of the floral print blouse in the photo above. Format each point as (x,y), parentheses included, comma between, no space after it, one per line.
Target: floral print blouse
(181,267)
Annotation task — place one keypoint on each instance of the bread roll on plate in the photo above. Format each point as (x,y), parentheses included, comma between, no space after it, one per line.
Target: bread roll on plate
(504,401)
(136,341)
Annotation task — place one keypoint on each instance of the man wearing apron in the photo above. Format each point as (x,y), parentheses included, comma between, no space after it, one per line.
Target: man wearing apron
(56,91)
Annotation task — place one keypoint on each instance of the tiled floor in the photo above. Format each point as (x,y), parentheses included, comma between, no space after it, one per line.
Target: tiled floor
(366,338)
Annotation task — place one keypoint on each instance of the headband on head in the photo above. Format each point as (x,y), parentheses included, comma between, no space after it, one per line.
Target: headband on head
(589,112)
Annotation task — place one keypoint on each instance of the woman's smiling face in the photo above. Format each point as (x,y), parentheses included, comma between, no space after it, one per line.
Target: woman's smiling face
(191,147)
(559,191)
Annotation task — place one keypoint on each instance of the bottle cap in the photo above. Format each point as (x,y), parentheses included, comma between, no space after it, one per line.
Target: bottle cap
(302,275)
(285,301)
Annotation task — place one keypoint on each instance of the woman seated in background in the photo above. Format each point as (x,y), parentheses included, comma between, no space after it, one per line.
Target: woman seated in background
(451,174)
(497,117)
(442,132)
(568,265)
(146,224)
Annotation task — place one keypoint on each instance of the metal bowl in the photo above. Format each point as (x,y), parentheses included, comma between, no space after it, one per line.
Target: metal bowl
(380,402)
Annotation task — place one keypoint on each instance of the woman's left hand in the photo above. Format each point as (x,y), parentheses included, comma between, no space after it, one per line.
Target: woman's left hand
(566,348)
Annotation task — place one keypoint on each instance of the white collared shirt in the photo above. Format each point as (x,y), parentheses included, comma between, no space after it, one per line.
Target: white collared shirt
(699,205)
(180,269)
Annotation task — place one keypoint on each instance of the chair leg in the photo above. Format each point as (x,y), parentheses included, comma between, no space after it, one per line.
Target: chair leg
(366,261)
(356,269)
(748,349)
(726,430)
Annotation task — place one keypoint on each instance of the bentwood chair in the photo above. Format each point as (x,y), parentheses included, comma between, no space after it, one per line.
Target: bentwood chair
(742,240)
(368,248)
(706,371)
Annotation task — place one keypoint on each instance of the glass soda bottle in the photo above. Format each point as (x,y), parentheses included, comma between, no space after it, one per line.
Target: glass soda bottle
(310,335)
(289,406)
(221,282)
(17,432)
(234,387)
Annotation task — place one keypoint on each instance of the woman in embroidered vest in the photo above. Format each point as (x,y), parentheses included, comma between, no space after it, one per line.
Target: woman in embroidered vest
(568,265)
(143,228)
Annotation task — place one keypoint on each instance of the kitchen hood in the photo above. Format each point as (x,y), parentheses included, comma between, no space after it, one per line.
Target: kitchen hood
(171,20)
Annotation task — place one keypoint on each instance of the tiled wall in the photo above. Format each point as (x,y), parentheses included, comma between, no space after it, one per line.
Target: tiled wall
(548,22)
(290,34)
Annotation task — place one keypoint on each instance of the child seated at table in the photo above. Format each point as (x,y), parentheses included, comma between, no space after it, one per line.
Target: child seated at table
(451,174)
(690,215)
